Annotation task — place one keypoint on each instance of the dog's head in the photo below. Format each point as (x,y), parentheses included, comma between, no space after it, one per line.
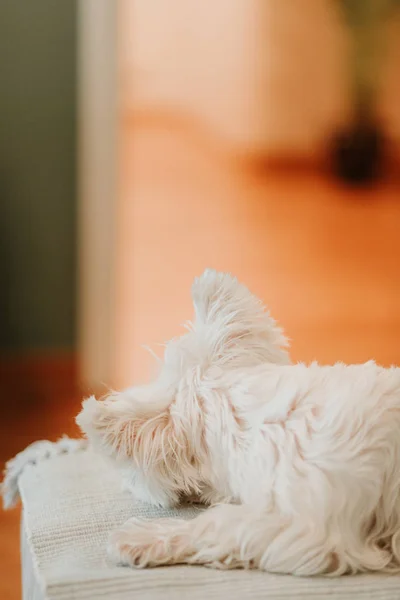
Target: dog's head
(158,429)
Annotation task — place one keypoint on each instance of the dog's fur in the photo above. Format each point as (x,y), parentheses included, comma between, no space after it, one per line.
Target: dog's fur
(304,461)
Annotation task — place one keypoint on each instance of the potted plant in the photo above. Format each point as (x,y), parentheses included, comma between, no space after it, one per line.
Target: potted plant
(358,150)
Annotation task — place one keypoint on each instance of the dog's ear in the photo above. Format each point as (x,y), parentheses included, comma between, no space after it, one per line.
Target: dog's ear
(121,429)
(147,438)
(236,325)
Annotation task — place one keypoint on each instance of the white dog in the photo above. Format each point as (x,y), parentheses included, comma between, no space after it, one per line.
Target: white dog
(303,461)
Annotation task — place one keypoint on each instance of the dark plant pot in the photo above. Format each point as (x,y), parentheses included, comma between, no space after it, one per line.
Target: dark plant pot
(358,153)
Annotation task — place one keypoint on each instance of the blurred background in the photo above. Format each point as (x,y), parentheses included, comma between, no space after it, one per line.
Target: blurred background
(142,141)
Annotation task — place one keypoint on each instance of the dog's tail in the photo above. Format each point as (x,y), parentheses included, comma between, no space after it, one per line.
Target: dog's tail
(33,454)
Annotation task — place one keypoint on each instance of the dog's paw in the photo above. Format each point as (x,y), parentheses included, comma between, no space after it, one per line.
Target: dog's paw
(148,543)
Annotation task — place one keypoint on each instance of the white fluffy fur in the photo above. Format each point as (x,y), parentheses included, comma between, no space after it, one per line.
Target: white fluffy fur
(304,460)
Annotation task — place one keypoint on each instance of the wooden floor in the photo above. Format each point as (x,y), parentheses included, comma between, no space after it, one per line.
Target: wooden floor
(325,258)
(38,400)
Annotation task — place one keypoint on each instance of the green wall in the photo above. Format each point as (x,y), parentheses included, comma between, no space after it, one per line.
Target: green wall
(37,174)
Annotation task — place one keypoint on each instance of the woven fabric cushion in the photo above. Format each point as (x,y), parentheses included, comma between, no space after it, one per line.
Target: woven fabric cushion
(70,505)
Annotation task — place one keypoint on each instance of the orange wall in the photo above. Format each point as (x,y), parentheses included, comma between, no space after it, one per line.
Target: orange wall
(266,75)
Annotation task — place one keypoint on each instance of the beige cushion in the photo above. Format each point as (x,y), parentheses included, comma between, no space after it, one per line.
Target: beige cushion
(72,502)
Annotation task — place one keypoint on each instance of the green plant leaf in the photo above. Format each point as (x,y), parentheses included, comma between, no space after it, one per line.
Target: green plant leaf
(366,21)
